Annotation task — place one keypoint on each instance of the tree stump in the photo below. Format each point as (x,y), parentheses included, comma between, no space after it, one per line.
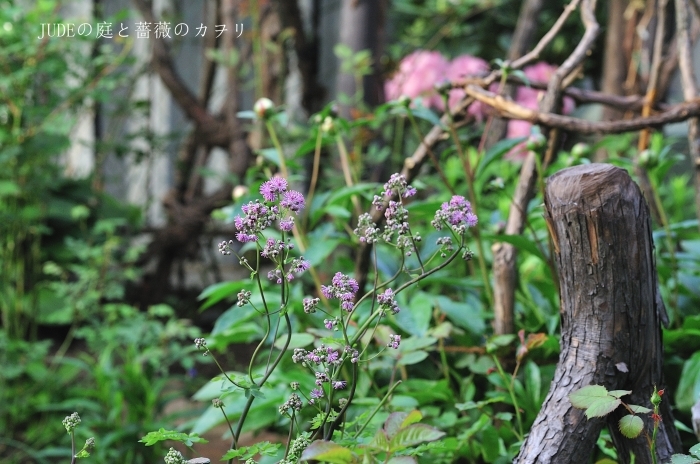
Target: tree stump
(611,312)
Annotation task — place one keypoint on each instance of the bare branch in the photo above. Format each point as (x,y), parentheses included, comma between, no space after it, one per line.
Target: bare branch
(511,110)
(205,122)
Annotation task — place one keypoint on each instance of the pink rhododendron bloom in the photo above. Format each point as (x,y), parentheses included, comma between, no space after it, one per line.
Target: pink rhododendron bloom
(528,97)
(417,75)
(422,70)
(459,68)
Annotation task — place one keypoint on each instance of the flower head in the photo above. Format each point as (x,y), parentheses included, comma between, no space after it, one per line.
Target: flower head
(339,384)
(457,213)
(293,201)
(343,288)
(273,188)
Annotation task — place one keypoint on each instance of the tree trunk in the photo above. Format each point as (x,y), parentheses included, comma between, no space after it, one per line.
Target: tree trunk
(611,313)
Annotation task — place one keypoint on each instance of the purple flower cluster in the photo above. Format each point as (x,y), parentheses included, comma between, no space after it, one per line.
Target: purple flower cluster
(273,188)
(273,248)
(395,213)
(321,355)
(343,288)
(258,216)
(387,302)
(457,213)
(297,266)
(331,324)
(394,341)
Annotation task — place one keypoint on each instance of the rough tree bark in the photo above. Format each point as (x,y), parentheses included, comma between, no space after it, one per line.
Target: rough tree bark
(611,313)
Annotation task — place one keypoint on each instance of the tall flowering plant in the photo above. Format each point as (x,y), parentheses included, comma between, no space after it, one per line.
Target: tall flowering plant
(331,366)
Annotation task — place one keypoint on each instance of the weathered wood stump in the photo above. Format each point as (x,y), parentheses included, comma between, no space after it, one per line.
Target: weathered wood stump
(611,315)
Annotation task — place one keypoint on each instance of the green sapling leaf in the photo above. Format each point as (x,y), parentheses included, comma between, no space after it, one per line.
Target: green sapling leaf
(683,459)
(587,395)
(602,407)
(631,426)
(638,409)
(619,393)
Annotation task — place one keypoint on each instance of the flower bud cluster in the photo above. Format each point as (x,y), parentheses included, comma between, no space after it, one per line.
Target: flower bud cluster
(297,448)
(394,341)
(243,298)
(311,304)
(446,246)
(395,213)
(174,457)
(366,229)
(294,403)
(387,302)
(71,422)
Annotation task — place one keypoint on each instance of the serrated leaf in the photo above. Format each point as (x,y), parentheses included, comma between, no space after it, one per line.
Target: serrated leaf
(327,451)
(619,393)
(413,435)
(638,409)
(603,407)
(683,459)
(151,438)
(584,397)
(695,450)
(631,426)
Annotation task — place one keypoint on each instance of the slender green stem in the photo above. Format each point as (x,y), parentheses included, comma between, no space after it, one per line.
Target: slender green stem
(511,392)
(251,398)
(72,447)
(378,407)
(469,174)
(278,147)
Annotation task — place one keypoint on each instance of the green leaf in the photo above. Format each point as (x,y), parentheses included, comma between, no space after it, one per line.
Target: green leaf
(151,438)
(688,391)
(489,443)
(399,420)
(586,396)
(695,450)
(638,409)
(320,250)
(217,292)
(602,407)
(683,459)
(380,442)
(520,242)
(421,112)
(619,393)
(413,435)
(402,460)
(414,357)
(631,426)
(327,451)
(495,152)
(299,340)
